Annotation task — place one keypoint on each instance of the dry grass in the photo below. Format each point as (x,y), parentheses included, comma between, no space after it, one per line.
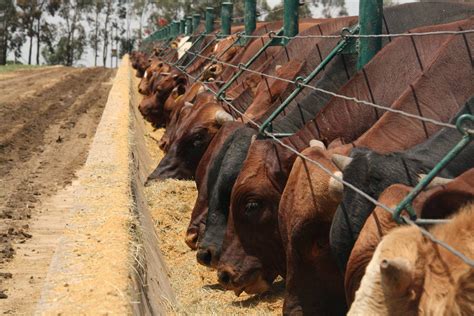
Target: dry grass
(196,287)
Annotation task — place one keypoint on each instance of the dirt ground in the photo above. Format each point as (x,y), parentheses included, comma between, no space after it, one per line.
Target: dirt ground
(48,118)
(196,287)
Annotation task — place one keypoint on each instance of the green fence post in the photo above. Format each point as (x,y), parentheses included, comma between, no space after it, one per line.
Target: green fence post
(250,16)
(182,26)
(226,18)
(370,21)
(290,19)
(196,21)
(174,29)
(189,25)
(209,20)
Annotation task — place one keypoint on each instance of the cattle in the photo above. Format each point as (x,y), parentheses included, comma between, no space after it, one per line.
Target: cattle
(199,212)
(411,275)
(172,165)
(374,172)
(222,172)
(140,63)
(335,75)
(180,108)
(152,73)
(304,113)
(302,216)
(248,233)
(152,107)
(181,160)
(435,203)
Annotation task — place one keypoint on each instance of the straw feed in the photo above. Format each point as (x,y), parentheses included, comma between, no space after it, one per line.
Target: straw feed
(195,286)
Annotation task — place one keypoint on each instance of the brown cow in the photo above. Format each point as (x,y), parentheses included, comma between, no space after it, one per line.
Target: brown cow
(173,160)
(152,73)
(429,204)
(271,172)
(192,99)
(152,106)
(411,275)
(192,137)
(140,63)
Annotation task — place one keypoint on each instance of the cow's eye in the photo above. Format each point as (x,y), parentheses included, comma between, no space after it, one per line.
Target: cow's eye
(251,208)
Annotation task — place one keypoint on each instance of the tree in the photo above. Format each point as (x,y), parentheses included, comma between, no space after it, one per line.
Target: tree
(31,16)
(26,15)
(331,8)
(11,34)
(109,6)
(94,36)
(277,12)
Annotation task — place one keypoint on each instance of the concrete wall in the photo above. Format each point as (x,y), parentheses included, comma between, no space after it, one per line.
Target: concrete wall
(108,260)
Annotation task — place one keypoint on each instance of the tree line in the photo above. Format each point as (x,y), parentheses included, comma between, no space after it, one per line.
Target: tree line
(62,30)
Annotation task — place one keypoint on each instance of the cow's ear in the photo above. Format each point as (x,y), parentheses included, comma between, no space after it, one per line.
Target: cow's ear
(317,143)
(396,275)
(188,104)
(222,117)
(341,161)
(436,181)
(253,138)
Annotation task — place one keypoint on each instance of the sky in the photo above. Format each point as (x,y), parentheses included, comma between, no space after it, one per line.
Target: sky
(88,57)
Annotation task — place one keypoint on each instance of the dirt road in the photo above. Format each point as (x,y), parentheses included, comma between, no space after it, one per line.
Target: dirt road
(48,118)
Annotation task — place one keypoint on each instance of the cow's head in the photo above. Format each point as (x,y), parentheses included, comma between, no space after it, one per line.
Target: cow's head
(151,74)
(254,209)
(210,170)
(190,142)
(239,272)
(222,174)
(152,107)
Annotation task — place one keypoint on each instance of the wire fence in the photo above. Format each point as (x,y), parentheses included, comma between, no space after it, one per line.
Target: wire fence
(275,139)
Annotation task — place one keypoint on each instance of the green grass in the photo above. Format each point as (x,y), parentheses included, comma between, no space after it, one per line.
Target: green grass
(12,67)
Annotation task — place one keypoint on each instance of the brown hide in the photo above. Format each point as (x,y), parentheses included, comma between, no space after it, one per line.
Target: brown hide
(189,142)
(199,212)
(152,107)
(396,70)
(304,217)
(392,131)
(269,90)
(245,273)
(181,111)
(438,202)
(411,275)
(151,73)
(297,49)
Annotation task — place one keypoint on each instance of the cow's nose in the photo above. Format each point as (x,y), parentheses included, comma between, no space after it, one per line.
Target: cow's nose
(205,256)
(191,240)
(140,90)
(224,277)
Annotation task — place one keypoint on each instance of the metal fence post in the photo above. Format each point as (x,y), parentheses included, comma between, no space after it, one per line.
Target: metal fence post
(290,19)
(250,16)
(370,21)
(189,25)
(182,26)
(209,20)
(196,21)
(226,18)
